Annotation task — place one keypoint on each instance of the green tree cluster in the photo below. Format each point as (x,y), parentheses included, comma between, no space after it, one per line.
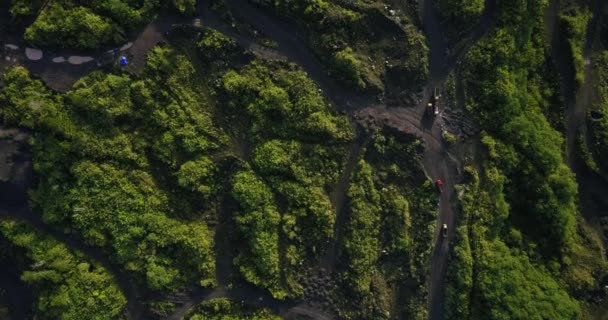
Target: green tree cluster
(123,161)
(574,23)
(598,117)
(297,151)
(491,273)
(25,8)
(388,235)
(258,224)
(502,79)
(66,284)
(185,6)
(360,43)
(224,309)
(216,49)
(518,254)
(459,16)
(88,24)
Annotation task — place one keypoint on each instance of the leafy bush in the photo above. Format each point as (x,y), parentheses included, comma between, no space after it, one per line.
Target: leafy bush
(118,158)
(298,146)
(361,242)
(67,285)
(25,8)
(258,223)
(520,218)
(598,123)
(185,6)
(224,309)
(282,103)
(459,16)
(348,67)
(385,244)
(360,43)
(574,23)
(88,24)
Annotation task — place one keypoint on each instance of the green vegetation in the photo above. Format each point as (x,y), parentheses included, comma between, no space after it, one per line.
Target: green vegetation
(388,237)
(148,167)
(120,161)
(459,16)
(25,8)
(492,278)
(598,117)
(574,22)
(66,284)
(448,137)
(224,309)
(140,165)
(360,44)
(521,250)
(185,6)
(89,24)
(298,147)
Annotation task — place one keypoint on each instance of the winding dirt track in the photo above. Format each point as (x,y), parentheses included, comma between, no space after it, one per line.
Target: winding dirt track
(592,187)
(292,48)
(130,290)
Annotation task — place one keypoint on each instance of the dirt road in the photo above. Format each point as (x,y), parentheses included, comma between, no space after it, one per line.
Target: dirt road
(436,160)
(293,48)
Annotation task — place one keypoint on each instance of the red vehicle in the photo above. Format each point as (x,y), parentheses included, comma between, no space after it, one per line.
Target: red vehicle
(439,185)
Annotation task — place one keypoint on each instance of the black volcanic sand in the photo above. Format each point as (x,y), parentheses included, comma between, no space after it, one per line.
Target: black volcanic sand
(15,296)
(15,166)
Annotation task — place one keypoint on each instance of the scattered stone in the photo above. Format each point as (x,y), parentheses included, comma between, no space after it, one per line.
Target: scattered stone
(126,46)
(79,59)
(33,54)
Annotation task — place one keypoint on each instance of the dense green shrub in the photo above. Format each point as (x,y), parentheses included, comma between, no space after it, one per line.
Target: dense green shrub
(459,16)
(185,6)
(88,24)
(67,285)
(388,237)
(25,8)
(282,103)
(224,309)
(574,23)
(541,186)
(258,223)
(598,123)
(348,67)
(518,254)
(215,48)
(360,43)
(361,243)
(493,278)
(118,159)
(76,27)
(298,145)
